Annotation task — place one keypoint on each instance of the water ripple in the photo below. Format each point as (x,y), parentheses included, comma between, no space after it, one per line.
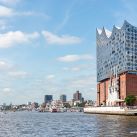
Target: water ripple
(34,124)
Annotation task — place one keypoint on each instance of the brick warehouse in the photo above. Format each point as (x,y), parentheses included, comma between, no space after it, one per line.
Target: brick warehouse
(116,64)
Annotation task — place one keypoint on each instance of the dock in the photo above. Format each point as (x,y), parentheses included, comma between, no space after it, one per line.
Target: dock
(128,111)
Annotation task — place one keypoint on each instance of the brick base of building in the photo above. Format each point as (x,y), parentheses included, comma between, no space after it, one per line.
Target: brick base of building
(127,86)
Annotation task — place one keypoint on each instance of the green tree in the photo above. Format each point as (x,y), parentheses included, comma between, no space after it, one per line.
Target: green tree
(130,100)
(82,104)
(67,105)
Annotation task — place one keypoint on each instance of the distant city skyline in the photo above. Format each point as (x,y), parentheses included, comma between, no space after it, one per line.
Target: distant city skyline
(49,47)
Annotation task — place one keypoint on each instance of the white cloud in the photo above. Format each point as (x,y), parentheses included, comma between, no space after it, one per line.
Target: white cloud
(12,38)
(18,74)
(73,58)
(62,40)
(5,12)
(49,77)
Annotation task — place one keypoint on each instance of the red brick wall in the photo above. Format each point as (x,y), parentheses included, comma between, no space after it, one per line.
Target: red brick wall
(128,86)
(102,94)
(107,83)
(122,86)
(98,94)
(131,88)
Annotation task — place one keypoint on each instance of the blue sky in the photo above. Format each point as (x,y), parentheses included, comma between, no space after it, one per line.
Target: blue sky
(49,46)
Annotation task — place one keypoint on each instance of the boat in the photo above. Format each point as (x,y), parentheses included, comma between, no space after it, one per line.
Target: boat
(53,110)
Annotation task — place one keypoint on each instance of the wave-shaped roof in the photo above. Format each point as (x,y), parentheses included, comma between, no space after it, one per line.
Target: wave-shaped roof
(107,33)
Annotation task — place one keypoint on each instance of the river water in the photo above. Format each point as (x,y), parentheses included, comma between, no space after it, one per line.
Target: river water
(35,124)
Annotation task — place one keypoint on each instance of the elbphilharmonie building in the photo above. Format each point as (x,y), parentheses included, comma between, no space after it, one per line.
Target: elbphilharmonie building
(116,64)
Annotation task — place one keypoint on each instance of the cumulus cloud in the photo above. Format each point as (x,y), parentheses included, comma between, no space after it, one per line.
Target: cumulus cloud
(12,38)
(6,12)
(74,58)
(62,40)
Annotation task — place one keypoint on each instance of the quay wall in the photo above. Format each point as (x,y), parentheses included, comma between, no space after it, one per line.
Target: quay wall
(110,110)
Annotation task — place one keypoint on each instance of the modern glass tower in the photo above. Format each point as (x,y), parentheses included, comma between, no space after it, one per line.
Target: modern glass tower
(63,98)
(48,98)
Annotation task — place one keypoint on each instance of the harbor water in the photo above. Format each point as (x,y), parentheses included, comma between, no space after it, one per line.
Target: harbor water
(71,124)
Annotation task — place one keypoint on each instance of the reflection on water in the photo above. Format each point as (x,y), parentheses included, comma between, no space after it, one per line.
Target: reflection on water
(34,124)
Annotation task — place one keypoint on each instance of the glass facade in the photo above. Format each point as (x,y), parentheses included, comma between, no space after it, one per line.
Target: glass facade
(116,49)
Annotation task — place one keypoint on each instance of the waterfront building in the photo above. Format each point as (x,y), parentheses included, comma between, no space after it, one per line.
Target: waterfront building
(71,102)
(56,106)
(48,98)
(77,96)
(116,64)
(34,105)
(63,98)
